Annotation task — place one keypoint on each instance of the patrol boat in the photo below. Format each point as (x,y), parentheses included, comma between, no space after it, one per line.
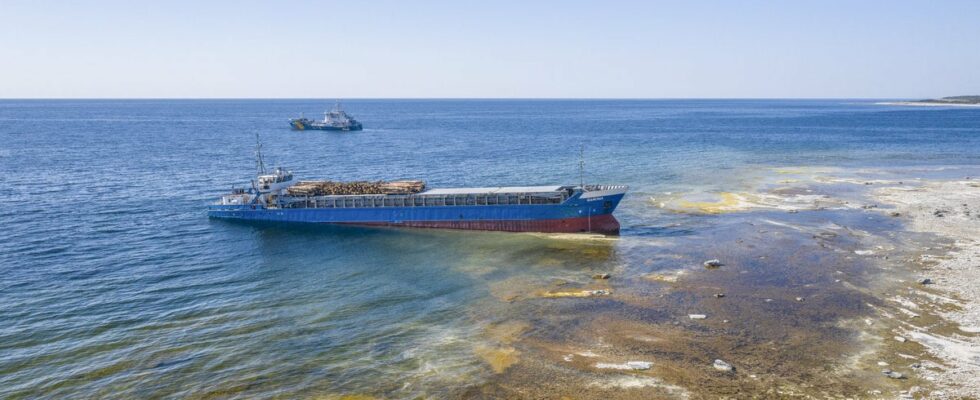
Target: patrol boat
(333,120)
(277,197)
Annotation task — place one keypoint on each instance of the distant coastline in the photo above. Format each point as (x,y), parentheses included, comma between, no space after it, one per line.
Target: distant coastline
(956,101)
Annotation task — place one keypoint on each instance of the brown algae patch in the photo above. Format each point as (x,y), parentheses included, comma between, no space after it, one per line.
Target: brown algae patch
(510,289)
(507,332)
(499,358)
(498,353)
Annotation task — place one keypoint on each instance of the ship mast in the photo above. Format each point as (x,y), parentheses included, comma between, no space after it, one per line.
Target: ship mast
(581,166)
(259,162)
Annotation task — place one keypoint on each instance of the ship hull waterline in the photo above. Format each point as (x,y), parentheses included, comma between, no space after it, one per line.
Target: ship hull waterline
(593,216)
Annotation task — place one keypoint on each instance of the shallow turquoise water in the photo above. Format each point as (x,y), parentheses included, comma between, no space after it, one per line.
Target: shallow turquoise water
(115,283)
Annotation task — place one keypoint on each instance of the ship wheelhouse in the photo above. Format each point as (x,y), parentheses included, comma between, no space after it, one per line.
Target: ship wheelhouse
(279,179)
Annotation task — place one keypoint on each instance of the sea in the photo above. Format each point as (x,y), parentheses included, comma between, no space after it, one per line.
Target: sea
(115,284)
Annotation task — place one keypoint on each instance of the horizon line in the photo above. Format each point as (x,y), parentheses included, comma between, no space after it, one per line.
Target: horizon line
(464,98)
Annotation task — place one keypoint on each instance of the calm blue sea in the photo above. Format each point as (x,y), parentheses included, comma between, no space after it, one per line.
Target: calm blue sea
(114,283)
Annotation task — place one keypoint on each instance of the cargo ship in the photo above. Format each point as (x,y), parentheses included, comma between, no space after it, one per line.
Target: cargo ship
(333,120)
(277,197)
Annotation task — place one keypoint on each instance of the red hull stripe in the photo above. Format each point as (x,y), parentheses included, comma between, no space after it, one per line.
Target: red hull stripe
(606,224)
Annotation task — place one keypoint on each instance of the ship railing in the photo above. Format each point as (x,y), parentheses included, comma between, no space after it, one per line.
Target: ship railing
(596,188)
(378,201)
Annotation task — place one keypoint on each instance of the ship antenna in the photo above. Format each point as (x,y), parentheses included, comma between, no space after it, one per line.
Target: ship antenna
(581,166)
(259,163)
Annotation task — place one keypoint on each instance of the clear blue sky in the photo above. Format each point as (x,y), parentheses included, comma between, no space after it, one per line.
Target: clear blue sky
(500,48)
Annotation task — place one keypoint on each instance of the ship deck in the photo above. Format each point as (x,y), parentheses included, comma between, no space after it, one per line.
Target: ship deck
(518,195)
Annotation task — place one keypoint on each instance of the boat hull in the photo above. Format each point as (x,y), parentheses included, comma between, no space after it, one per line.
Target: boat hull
(306,126)
(604,224)
(592,214)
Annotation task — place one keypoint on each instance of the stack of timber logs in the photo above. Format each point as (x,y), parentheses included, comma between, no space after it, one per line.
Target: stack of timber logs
(324,188)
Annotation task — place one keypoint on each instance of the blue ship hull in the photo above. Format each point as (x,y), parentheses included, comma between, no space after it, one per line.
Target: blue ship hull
(303,125)
(576,214)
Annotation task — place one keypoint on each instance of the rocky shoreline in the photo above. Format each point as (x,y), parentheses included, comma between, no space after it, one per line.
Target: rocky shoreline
(951,210)
(926,104)
(814,283)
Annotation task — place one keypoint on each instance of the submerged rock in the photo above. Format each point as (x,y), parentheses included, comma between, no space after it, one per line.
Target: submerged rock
(925,281)
(723,366)
(629,365)
(713,263)
(639,365)
(577,293)
(892,374)
(667,278)
(499,358)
